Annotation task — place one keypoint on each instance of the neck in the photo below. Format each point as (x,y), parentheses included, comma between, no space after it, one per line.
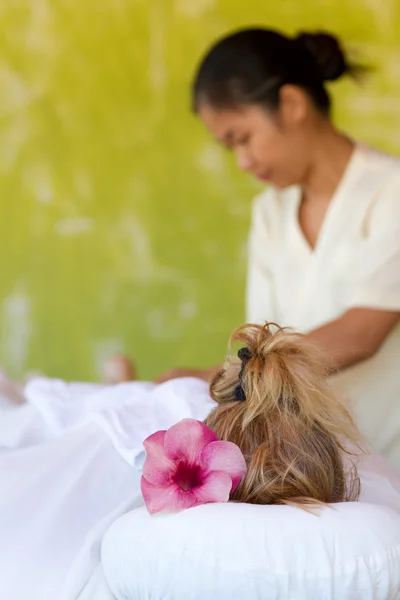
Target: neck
(331,153)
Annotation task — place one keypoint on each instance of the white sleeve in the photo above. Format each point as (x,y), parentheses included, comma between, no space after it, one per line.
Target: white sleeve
(259,295)
(379,276)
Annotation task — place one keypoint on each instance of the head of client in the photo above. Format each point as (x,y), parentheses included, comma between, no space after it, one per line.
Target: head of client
(275,403)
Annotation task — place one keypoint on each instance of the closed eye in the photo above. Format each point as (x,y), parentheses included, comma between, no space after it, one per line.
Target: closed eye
(235,143)
(243,141)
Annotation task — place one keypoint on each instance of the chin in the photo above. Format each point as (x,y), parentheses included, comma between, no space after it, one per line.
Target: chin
(276,183)
(282,185)
(279,185)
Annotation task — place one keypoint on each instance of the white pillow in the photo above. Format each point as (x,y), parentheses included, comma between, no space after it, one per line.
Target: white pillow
(247,552)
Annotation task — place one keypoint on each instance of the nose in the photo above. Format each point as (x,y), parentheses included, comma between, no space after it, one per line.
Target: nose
(244,161)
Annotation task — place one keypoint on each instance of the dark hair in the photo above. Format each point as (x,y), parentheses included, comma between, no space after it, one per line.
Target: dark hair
(251,65)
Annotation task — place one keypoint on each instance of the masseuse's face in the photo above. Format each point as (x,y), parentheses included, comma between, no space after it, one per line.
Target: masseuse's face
(272,148)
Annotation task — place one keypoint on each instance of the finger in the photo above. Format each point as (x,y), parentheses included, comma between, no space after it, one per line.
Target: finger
(163,378)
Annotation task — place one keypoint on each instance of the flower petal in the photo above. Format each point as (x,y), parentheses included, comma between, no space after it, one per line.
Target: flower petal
(186,439)
(226,457)
(157,468)
(216,488)
(169,499)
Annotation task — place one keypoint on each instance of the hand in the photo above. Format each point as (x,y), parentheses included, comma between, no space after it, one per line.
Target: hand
(204,374)
(118,369)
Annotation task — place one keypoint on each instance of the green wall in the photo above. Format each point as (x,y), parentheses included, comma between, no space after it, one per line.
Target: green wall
(122,225)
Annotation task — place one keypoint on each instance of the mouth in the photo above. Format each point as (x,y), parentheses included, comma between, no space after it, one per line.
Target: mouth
(266,176)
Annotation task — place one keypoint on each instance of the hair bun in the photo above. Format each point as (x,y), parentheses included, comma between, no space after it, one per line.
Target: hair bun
(328,54)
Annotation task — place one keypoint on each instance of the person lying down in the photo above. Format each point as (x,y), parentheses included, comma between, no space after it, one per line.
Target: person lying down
(298,441)
(71,457)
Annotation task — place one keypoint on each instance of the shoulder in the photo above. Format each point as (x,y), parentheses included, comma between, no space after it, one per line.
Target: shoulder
(384,167)
(385,170)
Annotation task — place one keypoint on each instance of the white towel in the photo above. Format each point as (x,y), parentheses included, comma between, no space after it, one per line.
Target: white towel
(127,413)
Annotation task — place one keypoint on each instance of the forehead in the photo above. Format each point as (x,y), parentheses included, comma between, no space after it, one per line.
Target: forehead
(222,122)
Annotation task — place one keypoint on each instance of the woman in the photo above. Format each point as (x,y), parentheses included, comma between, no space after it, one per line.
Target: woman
(324,254)
(73,463)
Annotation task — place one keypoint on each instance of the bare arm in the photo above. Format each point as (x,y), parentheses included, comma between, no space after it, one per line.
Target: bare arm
(355,336)
(350,339)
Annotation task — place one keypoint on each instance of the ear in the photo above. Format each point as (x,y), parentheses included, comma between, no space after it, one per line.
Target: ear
(294,105)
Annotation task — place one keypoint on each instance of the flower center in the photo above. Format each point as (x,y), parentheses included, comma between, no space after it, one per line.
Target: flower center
(187,476)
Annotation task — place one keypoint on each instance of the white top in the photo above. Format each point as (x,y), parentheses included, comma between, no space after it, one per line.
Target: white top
(355,263)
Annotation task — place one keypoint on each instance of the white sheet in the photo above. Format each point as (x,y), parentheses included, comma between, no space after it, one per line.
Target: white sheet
(69,466)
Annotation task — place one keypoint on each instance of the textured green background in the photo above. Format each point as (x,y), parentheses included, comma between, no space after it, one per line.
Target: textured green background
(122,225)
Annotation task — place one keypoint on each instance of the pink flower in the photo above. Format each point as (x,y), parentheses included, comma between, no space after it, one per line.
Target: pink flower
(187,466)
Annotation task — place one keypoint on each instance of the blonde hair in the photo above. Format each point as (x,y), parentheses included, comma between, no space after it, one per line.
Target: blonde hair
(295,434)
